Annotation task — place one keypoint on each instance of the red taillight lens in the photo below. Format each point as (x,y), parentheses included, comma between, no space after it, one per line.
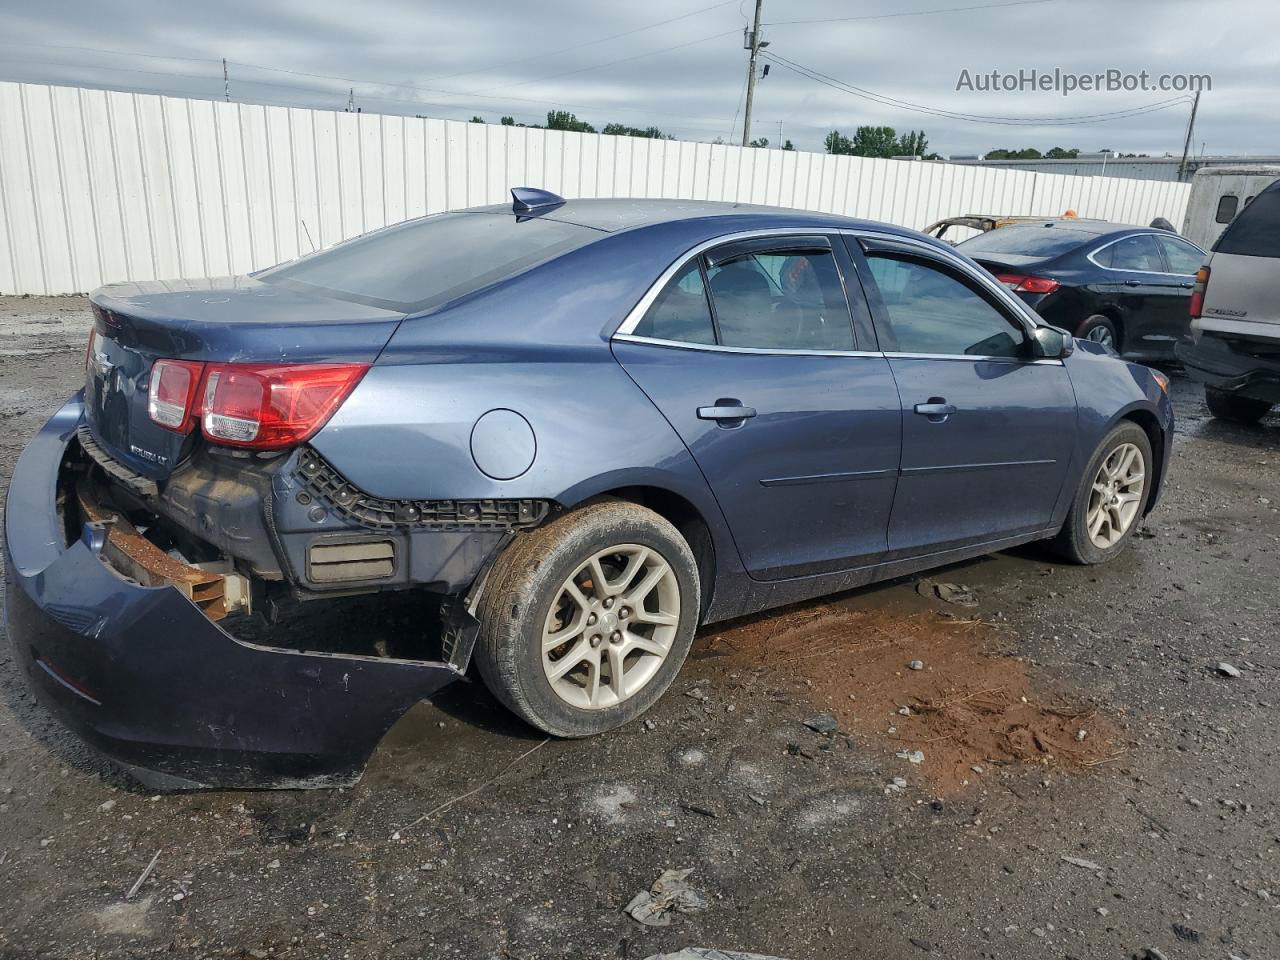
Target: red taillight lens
(271,407)
(1015,281)
(1038,285)
(172,393)
(1197,293)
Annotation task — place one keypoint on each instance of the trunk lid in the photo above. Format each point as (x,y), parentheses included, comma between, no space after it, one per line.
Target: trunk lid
(235,319)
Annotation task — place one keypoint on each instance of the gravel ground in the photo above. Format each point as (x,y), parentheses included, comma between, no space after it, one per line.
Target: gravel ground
(799,841)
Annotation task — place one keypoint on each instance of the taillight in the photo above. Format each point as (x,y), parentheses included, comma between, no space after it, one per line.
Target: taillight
(1197,293)
(270,407)
(172,394)
(1023,284)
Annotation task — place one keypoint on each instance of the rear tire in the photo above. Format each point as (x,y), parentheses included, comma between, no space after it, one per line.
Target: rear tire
(1229,406)
(1109,504)
(586,621)
(1100,329)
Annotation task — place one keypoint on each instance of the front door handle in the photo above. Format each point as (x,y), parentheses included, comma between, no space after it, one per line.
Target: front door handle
(1133,283)
(726,410)
(937,409)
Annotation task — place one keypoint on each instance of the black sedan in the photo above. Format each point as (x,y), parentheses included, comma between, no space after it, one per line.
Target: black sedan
(1124,286)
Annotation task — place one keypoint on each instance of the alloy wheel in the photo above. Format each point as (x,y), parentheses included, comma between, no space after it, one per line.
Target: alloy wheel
(611,626)
(1116,495)
(1100,334)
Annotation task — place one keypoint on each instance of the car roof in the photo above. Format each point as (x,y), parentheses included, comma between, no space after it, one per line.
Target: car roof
(617,214)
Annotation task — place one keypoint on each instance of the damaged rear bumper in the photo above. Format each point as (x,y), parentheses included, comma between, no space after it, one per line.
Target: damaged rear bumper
(143,676)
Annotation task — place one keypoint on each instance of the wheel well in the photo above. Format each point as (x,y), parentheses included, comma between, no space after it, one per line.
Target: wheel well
(1112,313)
(684,516)
(1151,427)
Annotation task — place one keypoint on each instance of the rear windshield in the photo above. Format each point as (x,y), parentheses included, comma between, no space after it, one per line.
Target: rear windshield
(426,262)
(1256,231)
(1028,241)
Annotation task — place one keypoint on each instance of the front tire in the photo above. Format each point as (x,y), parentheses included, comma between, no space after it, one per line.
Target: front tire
(1237,409)
(1111,500)
(586,621)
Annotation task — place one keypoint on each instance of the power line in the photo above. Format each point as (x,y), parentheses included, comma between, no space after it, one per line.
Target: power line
(588,43)
(212,79)
(885,100)
(910,13)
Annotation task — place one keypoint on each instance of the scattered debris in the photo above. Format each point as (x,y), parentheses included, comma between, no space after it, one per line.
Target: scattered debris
(137,884)
(823,723)
(897,785)
(1082,735)
(1086,864)
(956,593)
(702,953)
(1186,934)
(106,806)
(669,894)
(1227,670)
(916,665)
(913,756)
(697,694)
(700,811)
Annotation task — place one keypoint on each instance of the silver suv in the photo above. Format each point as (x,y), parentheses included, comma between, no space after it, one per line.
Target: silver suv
(1235,308)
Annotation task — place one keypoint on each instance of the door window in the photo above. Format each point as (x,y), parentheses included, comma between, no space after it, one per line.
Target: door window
(1182,257)
(932,312)
(681,312)
(1227,206)
(781,300)
(1137,253)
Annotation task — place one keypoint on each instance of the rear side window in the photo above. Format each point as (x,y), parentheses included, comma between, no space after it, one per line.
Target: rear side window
(781,301)
(932,312)
(1256,232)
(1138,253)
(681,312)
(426,262)
(1027,241)
(1183,258)
(1227,206)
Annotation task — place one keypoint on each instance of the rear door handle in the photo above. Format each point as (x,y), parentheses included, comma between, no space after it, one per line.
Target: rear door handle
(726,410)
(937,409)
(1133,283)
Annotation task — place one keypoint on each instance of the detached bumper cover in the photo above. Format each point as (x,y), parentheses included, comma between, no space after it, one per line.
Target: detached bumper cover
(142,676)
(1213,362)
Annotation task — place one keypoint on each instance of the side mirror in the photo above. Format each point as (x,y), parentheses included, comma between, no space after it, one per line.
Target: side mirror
(1051,343)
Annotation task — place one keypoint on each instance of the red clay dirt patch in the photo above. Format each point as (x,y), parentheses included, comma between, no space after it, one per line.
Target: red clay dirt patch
(970,704)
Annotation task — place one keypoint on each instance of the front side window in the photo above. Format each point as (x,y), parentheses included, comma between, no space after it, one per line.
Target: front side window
(781,300)
(681,312)
(1137,253)
(1182,257)
(932,312)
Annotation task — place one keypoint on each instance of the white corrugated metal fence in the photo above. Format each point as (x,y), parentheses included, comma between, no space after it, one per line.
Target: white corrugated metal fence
(99,186)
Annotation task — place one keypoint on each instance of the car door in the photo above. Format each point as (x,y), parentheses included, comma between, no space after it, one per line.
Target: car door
(749,352)
(987,431)
(1182,259)
(1137,280)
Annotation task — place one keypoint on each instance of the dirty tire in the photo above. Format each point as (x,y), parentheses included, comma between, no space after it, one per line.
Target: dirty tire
(1073,542)
(527,579)
(1100,329)
(1230,406)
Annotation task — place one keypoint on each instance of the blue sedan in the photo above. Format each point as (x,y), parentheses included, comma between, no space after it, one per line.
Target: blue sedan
(577,429)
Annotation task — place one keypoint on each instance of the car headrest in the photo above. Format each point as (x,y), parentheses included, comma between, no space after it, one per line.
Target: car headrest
(739,280)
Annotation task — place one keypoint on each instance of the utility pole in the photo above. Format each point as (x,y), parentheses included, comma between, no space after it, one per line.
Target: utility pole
(351,100)
(226,81)
(752,43)
(1186,144)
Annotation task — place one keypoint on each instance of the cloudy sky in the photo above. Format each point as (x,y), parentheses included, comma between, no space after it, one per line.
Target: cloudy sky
(679,64)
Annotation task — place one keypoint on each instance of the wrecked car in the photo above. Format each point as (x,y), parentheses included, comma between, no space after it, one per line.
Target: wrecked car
(576,430)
